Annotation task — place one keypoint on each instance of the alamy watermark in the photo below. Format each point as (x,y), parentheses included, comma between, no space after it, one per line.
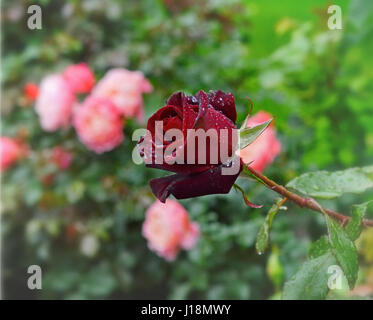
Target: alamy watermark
(335,280)
(34,21)
(34,281)
(335,20)
(193,146)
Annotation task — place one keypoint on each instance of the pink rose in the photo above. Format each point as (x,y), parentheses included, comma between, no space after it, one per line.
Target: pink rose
(61,157)
(99,124)
(167,228)
(54,103)
(80,78)
(10,152)
(125,89)
(265,148)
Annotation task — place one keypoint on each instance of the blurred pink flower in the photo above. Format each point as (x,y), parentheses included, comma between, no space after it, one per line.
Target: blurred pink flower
(125,89)
(80,78)
(99,124)
(265,148)
(167,228)
(61,157)
(31,91)
(54,103)
(10,152)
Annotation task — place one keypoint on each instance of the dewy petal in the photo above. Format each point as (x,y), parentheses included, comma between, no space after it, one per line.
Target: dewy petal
(203,106)
(166,111)
(176,99)
(189,118)
(223,102)
(172,123)
(194,185)
(214,120)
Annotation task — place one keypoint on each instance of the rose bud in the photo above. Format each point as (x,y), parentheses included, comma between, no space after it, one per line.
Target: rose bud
(31,91)
(61,158)
(54,103)
(80,78)
(200,169)
(167,228)
(265,148)
(125,89)
(99,124)
(10,151)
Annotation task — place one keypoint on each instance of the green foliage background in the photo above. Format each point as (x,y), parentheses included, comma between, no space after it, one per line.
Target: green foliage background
(316,82)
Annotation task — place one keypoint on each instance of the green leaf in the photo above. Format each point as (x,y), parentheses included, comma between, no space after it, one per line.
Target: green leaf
(262,239)
(355,225)
(311,281)
(329,185)
(319,248)
(248,135)
(344,250)
(274,267)
(353,230)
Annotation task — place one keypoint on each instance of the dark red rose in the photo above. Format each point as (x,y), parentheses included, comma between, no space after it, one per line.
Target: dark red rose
(215,110)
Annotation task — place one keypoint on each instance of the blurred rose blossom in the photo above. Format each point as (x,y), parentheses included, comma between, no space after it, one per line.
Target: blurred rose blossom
(125,89)
(61,157)
(80,78)
(167,228)
(99,124)
(31,91)
(265,148)
(11,151)
(54,103)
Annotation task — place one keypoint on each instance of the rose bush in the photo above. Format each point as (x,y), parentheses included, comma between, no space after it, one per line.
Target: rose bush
(84,227)
(99,119)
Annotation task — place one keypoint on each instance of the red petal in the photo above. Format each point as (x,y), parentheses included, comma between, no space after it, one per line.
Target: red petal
(223,102)
(194,185)
(203,106)
(176,99)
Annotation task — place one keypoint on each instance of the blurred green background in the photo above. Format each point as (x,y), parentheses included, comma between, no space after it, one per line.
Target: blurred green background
(316,82)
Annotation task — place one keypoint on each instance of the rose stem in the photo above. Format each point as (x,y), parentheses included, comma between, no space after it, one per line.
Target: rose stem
(304,202)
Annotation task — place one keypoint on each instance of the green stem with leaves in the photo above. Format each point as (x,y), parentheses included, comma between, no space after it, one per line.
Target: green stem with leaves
(308,203)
